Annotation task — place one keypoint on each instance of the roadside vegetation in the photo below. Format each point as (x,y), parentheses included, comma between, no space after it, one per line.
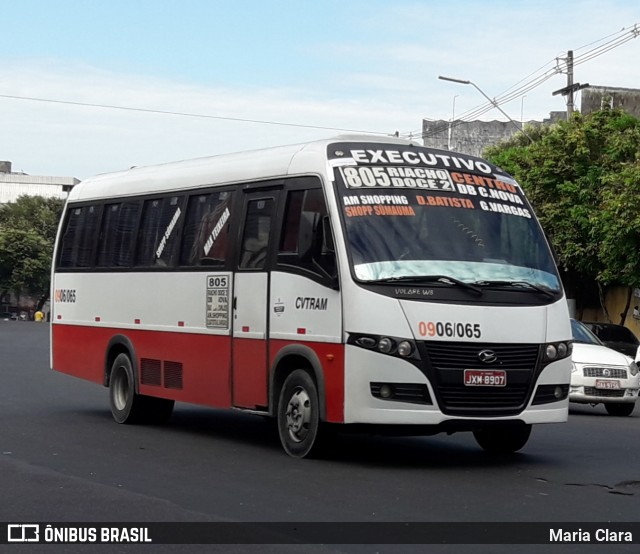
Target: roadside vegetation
(583,180)
(27,234)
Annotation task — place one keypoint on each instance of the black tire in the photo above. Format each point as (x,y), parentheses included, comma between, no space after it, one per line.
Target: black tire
(298,414)
(503,440)
(126,405)
(129,407)
(620,410)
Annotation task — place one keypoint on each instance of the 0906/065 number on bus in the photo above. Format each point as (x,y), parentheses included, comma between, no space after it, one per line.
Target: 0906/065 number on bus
(449,329)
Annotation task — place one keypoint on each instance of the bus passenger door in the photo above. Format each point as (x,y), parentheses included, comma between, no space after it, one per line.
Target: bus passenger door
(251,292)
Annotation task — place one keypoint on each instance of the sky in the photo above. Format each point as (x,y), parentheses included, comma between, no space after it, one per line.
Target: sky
(192,78)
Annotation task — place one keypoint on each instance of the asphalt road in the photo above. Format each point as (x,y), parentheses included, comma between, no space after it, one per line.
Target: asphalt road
(62,458)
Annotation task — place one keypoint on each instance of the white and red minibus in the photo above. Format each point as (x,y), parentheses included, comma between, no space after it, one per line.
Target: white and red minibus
(365,282)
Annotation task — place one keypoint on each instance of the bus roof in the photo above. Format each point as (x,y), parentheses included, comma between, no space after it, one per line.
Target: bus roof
(268,163)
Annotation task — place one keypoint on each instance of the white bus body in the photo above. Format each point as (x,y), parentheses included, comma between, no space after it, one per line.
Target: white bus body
(360,281)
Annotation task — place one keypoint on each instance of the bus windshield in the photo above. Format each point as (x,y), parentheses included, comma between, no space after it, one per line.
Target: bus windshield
(458,226)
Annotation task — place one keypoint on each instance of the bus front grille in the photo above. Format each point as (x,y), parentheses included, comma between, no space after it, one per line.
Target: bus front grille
(446,365)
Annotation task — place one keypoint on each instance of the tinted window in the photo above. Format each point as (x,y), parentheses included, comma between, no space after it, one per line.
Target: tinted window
(157,237)
(306,211)
(205,237)
(255,238)
(117,234)
(79,237)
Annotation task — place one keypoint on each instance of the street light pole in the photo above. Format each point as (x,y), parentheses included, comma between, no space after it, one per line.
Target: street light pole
(493,102)
(453,117)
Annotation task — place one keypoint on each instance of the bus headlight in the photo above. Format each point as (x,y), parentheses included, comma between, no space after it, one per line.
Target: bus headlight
(385,345)
(551,352)
(633,368)
(392,346)
(405,349)
(557,351)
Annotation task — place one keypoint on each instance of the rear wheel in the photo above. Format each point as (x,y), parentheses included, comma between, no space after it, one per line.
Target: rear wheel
(620,410)
(126,405)
(298,414)
(503,440)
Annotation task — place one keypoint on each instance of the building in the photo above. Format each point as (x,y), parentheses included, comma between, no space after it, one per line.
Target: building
(472,137)
(13,185)
(596,97)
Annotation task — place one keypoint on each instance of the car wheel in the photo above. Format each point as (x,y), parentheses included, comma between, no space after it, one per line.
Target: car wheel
(298,414)
(620,410)
(502,441)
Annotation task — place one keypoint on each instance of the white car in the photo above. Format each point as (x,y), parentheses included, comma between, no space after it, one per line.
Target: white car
(601,375)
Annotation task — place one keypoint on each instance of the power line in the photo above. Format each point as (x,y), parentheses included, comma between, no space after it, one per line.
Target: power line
(622,36)
(187,114)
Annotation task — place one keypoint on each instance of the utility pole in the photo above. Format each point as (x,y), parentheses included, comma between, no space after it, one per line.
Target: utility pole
(571,86)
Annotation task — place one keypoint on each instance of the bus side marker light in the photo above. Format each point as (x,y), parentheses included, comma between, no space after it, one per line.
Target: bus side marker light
(302,331)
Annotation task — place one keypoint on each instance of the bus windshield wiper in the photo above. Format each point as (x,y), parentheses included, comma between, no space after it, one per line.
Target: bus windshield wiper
(421,279)
(519,284)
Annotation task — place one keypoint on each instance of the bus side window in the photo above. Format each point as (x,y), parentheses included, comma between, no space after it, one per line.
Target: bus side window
(118,234)
(205,237)
(76,250)
(306,213)
(255,237)
(157,236)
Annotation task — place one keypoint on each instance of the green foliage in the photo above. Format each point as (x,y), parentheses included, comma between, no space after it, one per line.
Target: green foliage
(25,259)
(33,213)
(583,180)
(27,234)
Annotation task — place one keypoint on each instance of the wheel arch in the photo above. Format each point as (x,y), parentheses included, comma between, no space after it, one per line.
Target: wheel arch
(120,344)
(288,359)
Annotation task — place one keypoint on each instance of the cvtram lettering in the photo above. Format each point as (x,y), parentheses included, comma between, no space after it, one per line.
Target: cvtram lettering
(310,303)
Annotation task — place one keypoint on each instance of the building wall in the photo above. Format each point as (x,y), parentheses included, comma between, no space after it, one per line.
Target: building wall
(472,137)
(615,302)
(595,98)
(468,137)
(13,185)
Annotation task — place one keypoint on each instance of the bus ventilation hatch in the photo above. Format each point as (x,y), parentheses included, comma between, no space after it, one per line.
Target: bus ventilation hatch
(160,373)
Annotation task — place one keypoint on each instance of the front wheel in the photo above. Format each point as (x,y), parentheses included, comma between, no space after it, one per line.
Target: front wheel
(505,440)
(298,414)
(620,410)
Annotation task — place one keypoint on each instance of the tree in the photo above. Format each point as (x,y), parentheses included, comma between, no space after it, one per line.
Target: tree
(27,234)
(36,213)
(583,180)
(25,261)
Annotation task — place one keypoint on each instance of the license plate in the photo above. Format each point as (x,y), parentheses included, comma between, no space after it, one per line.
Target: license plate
(602,384)
(485,378)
